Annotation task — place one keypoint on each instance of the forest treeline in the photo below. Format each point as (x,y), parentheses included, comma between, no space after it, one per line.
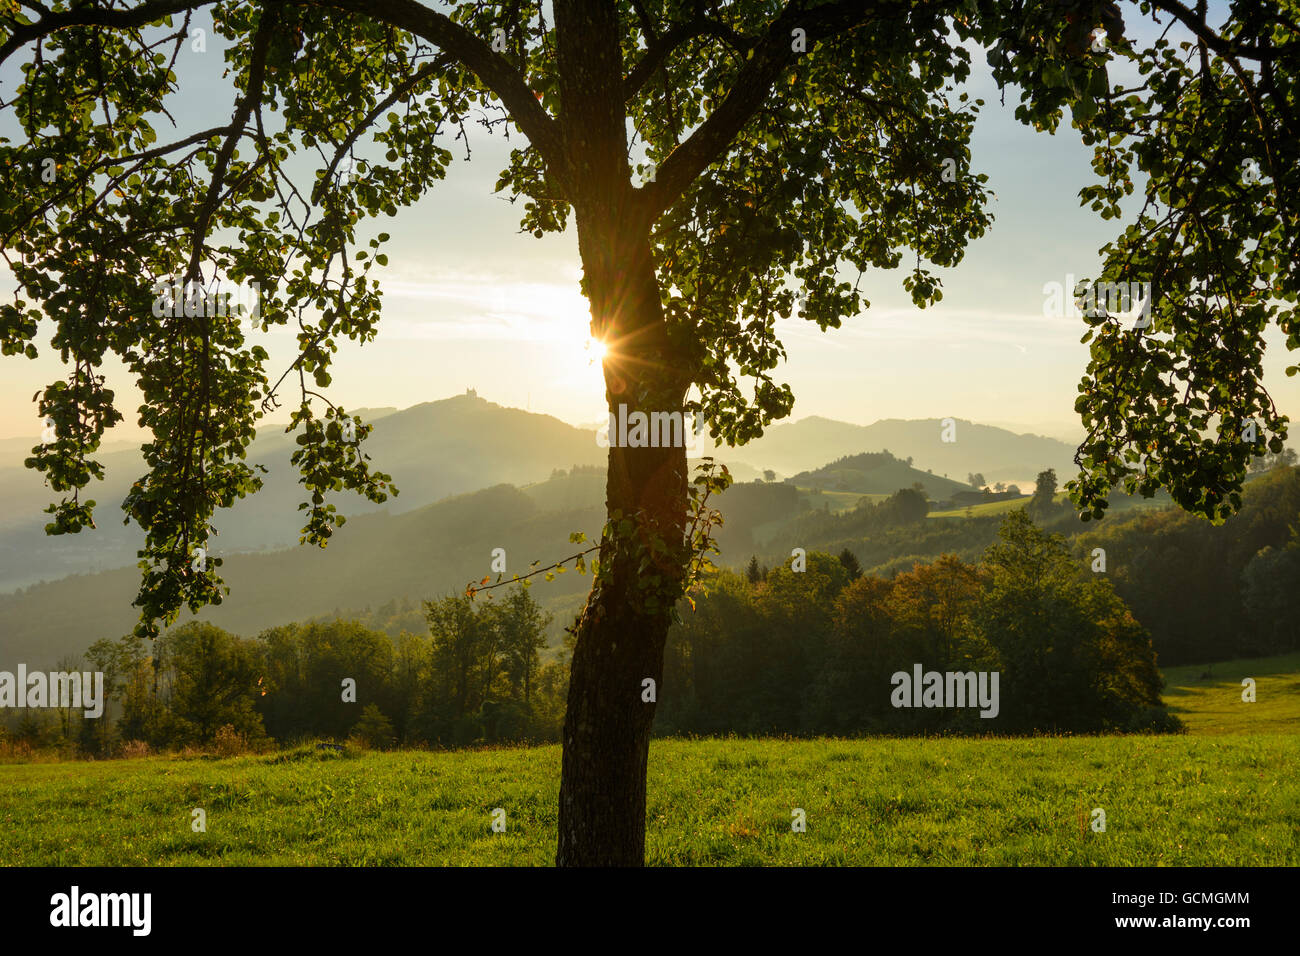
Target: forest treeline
(764,651)
(474,675)
(1212,592)
(806,651)
(813,651)
(1244,574)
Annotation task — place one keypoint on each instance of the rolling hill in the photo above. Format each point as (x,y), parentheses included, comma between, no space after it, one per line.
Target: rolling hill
(875,473)
(428,553)
(389,557)
(999,454)
(432,450)
(461,444)
(473,476)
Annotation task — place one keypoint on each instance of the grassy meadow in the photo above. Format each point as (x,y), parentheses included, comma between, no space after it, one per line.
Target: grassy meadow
(1213,705)
(1225,793)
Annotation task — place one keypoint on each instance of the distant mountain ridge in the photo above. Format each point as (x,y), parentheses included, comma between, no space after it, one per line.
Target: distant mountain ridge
(875,473)
(462,444)
(998,454)
(432,450)
(427,553)
(385,557)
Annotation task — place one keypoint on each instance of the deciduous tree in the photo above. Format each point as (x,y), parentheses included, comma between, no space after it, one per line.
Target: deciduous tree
(773,145)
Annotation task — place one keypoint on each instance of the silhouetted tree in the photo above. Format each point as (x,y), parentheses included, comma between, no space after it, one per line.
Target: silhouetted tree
(1043,502)
(750,115)
(850,562)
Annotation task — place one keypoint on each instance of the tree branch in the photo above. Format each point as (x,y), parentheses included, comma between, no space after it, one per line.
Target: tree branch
(473,52)
(1228,49)
(660,47)
(243,110)
(1229,52)
(493,70)
(399,91)
(147,12)
(768,59)
(472,589)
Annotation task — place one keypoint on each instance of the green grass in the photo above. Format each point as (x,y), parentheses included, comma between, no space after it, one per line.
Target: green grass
(1226,793)
(982,509)
(1227,800)
(1119,503)
(1214,706)
(840,501)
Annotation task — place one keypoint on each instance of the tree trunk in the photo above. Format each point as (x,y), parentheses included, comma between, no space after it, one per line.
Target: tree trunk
(607,724)
(622,630)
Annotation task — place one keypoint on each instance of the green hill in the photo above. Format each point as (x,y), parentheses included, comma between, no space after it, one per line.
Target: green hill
(449,447)
(1207,697)
(875,473)
(375,559)
(999,454)
(462,444)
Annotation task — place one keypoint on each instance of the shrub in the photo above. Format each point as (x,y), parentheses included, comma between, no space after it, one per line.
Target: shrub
(373,730)
(229,742)
(133,749)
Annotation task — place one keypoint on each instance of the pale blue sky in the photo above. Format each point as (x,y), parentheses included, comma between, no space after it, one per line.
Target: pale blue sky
(471,302)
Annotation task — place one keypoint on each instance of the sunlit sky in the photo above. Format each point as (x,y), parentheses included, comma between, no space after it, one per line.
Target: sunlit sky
(469,301)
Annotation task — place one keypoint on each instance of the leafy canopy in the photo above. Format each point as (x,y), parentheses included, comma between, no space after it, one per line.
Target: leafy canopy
(791,143)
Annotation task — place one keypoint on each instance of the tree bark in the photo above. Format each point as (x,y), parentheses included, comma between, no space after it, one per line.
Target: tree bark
(622,630)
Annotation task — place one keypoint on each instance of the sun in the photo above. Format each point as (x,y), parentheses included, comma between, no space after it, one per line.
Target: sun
(596,351)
